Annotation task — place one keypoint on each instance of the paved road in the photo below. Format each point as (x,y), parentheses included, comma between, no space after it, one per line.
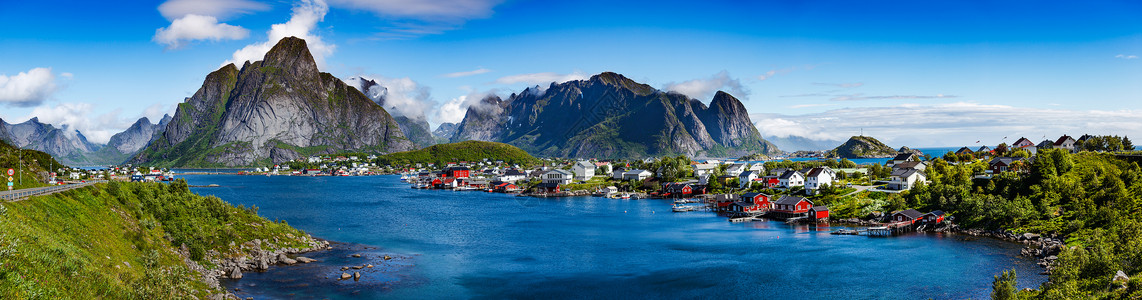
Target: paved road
(860,188)
(21,194)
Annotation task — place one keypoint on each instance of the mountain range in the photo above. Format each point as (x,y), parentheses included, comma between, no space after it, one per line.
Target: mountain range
(283,108)
(611,116)
(73,148)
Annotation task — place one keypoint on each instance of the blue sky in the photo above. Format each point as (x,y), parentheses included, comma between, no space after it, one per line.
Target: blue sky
(917,73)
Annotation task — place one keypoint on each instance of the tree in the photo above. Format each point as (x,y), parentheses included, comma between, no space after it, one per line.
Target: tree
(1003,288)
(1127,144)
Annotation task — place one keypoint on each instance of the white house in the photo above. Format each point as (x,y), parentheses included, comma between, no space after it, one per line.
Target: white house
(637,174)
(819,176)
(905,157)
(583,170)
(905,179)
(557,177)
(791,178)
(735,169)
(704,169)
(746,178)
(758,168)
(511,175)
(1065,142)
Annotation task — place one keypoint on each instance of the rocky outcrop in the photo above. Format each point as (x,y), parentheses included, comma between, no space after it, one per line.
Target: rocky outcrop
(445,131)
(862,147)
(612,116)
(272,110)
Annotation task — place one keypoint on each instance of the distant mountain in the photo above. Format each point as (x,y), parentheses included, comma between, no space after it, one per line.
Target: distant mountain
(862,147)
(70,146)
(611,116)
(445,130)
(799,143)
(125,144)
(415,128)
(274,110)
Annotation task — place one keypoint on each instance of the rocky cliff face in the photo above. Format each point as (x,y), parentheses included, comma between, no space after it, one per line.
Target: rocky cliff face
(68,145)
(415,128)
(274,110)
(612,116)
(862,147)
(445,131)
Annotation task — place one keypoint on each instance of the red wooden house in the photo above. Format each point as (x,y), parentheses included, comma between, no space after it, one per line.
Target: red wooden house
(792,205)
(677,190)
(936,216)
(910,216)
(457,172)
(724,202)
(819,212)
(505,187)
(752,202)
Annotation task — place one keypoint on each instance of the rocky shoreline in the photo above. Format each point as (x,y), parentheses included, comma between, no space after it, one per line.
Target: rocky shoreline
(254,258)
(1043,248)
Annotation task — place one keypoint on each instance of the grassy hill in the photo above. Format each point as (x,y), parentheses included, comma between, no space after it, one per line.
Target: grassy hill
(35,166)
(463,151)
(862,147)
(125,241)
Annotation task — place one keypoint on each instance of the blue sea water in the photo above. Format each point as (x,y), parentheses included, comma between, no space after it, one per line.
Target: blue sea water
(482,245)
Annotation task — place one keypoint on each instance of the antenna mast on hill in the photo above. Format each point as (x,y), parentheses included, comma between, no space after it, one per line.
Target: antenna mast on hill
(862,132)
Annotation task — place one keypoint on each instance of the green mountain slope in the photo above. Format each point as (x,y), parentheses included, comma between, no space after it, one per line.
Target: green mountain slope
(862,147)
(471,151)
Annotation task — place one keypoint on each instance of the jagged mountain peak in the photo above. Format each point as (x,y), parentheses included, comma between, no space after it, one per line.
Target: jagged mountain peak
(292,55)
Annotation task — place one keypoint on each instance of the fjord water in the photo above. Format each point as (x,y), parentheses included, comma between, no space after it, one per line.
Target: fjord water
(483,245)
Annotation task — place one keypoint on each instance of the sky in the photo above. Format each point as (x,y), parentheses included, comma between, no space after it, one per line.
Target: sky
(914,73)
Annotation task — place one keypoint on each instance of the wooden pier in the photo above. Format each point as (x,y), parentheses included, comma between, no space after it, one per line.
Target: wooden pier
(890,229)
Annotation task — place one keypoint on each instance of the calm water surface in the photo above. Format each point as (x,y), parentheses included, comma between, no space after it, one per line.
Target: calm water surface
(482,245)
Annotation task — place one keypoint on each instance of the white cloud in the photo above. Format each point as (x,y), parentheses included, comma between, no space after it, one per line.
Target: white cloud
(222,9)
(454,110)
(195,28)
(28,88)
(466,73)
(399,96)
(704,88)
(301,24)
(952,124)
(1124,56)
(541,78)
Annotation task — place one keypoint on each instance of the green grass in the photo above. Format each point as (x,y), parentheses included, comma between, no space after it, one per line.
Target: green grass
(471,151)
(121,241)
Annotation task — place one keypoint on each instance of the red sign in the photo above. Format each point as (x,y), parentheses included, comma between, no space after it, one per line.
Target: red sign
(11,172)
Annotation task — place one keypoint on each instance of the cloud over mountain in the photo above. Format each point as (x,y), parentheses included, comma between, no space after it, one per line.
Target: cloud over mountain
(302,23)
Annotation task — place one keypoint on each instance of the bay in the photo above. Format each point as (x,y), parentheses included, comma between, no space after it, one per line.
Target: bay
(483,245)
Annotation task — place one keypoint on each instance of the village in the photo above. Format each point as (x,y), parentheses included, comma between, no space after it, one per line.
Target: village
(741,191)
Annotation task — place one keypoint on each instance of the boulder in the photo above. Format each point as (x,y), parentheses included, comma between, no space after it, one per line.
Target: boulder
(356,276)
(356,255)
(345,276)
(1119,281)
(235,273)
(1029,236)
(358,267)
(285,259)
(305,260)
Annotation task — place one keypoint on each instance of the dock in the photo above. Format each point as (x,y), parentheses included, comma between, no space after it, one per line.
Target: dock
(890,229)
